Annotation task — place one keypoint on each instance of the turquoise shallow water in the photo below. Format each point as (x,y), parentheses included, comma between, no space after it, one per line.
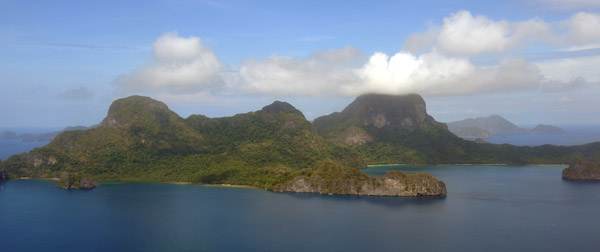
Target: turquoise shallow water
(488,208)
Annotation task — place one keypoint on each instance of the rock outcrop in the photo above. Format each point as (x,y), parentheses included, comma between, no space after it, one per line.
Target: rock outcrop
(582,170)
(396,112)
(76,181)
(330,178)
(3,176)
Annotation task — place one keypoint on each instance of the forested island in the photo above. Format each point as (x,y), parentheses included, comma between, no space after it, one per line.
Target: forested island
(275,148)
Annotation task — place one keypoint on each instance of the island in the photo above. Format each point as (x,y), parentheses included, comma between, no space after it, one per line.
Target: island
(8,135)
(582,170)
(142,140)
(76,181)
(275,148)
(486,127)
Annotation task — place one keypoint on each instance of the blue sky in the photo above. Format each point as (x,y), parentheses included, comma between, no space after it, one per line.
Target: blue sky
(63,62)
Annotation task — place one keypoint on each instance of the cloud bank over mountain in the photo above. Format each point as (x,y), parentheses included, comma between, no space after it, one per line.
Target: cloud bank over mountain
(437,62)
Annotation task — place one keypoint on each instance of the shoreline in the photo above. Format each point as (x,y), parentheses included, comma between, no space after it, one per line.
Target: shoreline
(375,165)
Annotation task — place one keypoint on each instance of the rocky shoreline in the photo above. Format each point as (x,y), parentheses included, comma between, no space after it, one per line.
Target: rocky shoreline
(353,182)
(582,170)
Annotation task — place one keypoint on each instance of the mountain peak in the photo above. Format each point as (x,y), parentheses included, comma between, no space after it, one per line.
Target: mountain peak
(372,114)
(281,107)
(379,110)
(134,108)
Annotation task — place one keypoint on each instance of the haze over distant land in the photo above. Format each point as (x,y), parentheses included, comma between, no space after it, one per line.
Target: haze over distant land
(486,127)
(532,61)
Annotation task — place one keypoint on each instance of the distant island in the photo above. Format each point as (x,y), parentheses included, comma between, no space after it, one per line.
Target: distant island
(7,135)
(486,127)
(275,148)
(46,137)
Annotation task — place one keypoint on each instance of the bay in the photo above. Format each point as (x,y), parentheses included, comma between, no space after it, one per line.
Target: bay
(488,208)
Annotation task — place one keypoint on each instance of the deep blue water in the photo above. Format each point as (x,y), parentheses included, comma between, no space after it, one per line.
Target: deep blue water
(489,208)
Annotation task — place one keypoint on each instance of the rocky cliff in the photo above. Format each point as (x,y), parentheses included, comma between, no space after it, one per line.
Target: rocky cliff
(329,178)
(396,129)
(582,170)
(398,112)
(76,181)
(3,176)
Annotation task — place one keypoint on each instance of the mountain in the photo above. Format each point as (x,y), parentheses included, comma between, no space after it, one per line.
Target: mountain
(389,129)
(141,139)
(494,124)
(547,130)
(485,127)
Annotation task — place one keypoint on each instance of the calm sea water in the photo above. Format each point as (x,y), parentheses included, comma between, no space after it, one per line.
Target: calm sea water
(487,209)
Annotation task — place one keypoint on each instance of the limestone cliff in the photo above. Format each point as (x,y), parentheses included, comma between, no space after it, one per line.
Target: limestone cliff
(3,176)
(329,178)
(76,181)
(582,170)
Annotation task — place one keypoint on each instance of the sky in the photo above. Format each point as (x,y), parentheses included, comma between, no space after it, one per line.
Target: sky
(535,61)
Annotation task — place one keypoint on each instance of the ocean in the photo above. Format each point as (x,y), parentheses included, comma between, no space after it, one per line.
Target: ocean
(488,208)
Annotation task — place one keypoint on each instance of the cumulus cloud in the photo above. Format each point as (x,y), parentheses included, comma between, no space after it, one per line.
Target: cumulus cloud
(430,74)
(583,28)
(437,74)
(435,63)
(179,65)
(76,94)
(322,73)
(463,34)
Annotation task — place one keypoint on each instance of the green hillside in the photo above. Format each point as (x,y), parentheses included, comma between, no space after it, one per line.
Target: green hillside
(142,140)
(390,129)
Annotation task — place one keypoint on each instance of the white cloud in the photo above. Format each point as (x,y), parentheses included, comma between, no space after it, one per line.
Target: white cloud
(463,34)
(434,63)
(320,74)
(436,74)
(179,64)
(583,29)
(428,74)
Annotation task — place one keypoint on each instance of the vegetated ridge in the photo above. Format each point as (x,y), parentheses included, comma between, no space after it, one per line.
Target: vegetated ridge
(142,140)
(396,129)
